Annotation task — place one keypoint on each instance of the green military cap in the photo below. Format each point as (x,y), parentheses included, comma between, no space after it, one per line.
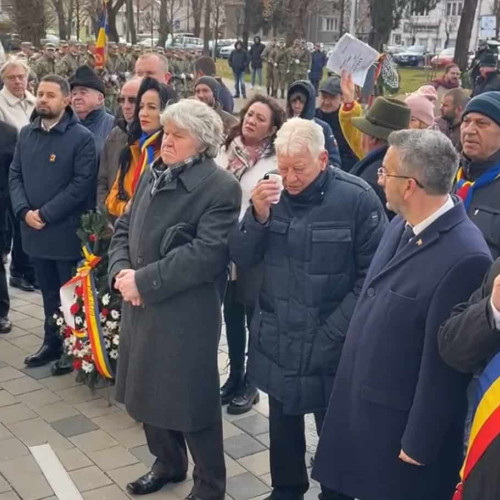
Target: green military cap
(71,43)
(27,45)
(63,43)
(50,45)
(112,44)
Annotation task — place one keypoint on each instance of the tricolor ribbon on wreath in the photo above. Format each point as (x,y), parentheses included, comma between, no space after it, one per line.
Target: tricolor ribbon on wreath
(486,422)
(85,279)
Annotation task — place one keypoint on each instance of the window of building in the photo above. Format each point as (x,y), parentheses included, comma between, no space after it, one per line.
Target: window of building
(459,9)
(397,40)
(454,8)
(330,24)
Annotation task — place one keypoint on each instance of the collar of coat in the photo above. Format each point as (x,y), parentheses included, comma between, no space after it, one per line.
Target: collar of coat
(12,100)
(68,119)
(191,177)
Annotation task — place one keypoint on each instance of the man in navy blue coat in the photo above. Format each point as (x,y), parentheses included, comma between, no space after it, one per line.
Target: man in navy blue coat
(52,182)
(394,428)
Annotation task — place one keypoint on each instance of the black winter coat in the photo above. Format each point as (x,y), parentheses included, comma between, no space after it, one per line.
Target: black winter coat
(467,342)
(256,55)
(316,249)
(54,172)
(482,85)
(484,207)
(8,138)
(318,62)
(238,60)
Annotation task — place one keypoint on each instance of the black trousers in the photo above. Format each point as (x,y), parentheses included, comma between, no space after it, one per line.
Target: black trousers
(51,275)
(206,447)
(237,317)
(287,453)
(21,265)
(4,292)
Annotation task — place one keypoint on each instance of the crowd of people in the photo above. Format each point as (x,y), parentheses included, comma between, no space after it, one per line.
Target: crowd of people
(352,244)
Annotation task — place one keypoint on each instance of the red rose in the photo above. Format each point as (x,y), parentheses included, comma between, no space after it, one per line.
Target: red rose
(92,238)
(78,291)
(74,308)
(87,358)
(105,312)
(77,364)
(67,332)
(78,345)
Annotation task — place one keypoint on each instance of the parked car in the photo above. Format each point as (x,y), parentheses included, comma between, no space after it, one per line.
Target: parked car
(184,42)
(412,56)
(393,49)
(149,42)
(444,58)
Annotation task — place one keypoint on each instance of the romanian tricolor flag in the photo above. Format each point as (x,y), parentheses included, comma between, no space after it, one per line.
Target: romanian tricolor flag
(102,37)
(486,423)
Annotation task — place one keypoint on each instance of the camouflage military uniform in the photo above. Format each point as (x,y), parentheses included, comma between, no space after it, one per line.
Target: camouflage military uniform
(44,66)
(282,57)
(68,65)
(305,64)
(270,56)
(294,64)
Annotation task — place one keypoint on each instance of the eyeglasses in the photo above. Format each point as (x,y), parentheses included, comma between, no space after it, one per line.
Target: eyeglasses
(122,99)
(382,172)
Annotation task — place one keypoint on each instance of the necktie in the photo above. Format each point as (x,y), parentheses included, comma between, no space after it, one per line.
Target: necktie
(405,238)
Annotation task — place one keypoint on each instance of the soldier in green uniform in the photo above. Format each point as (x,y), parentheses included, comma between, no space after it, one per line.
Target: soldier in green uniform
(46,64)
(28,50)
(269,56)
(282,59)
(62,50)
(68,64)
(136,53)
(294,63)
(305,62)
(126,59)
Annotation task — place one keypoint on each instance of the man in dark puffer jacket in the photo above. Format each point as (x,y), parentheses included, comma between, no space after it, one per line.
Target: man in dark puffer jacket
(316,244)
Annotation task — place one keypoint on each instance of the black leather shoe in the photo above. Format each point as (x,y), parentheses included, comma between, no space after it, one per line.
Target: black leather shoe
(232,387)
(45,355)
(5,325)
(61,367)
(21,283)
(244,401)
(151,482)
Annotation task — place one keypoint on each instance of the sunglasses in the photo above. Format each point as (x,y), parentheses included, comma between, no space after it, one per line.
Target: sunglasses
(131,100)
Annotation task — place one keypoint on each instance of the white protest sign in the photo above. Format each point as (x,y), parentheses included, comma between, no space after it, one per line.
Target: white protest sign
(354,56)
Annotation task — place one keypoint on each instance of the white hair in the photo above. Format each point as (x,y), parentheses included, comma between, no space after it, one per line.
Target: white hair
(298,134)
(200,120)
(13,62)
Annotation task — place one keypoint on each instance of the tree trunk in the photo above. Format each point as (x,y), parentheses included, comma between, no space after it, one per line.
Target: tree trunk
(61,18)
(464,33)
(382,22)
(28,17)
(163,27)
(249,6)
(206,30)
(113,9)
(197,8)
(130,21)
(341,17)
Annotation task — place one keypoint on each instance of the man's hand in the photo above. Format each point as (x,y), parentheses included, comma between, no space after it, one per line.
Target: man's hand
(34,220)
(264,194)
(347,86)
(125,284)
(405,458)
(495,293)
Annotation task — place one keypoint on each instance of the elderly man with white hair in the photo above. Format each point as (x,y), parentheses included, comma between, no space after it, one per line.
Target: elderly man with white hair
(316,239)
(168,259)
(16,103)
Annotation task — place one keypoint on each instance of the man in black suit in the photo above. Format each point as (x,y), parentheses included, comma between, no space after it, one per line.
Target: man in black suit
(8,138)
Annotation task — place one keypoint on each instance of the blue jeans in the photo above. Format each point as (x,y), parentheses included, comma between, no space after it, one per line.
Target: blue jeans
(239,81)
(258,72)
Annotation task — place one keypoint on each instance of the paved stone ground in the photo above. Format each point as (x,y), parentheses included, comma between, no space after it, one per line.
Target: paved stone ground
(100,446)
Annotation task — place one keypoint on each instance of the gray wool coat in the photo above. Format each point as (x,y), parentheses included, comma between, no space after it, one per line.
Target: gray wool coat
(176,240)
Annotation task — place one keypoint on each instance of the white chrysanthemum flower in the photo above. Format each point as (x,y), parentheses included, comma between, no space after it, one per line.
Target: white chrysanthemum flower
(116,340)
(111,325)
(106,298)
(115,314)
(87,367)
(113,354)
(59,321)
(107,343)
(78,320)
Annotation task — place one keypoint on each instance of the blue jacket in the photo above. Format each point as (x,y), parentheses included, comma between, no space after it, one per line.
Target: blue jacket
(316,250)
(100,123)
(239,60)
(393,391)
(54,172)
(309,112)
(318,62)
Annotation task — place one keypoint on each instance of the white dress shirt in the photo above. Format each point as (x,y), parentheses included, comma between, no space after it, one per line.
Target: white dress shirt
(448,205)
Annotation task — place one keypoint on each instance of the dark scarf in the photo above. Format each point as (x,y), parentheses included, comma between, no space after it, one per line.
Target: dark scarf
(163,174)
(312,194)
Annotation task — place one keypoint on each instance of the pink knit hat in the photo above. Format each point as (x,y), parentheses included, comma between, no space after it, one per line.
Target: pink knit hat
(421,108)
(429,92)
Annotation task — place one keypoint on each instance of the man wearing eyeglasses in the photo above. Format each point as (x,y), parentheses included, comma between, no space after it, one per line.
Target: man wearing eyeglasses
(117,140)
(394,429)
